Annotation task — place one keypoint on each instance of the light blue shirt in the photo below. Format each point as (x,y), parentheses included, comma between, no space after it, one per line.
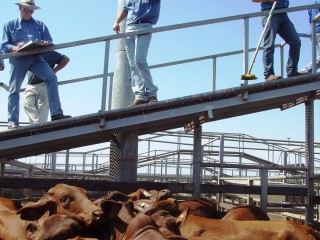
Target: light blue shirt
(312,13)
(19,30)
(144,11)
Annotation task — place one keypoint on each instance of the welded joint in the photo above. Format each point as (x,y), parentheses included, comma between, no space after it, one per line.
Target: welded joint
(102,122)
(195,123)
(210,114)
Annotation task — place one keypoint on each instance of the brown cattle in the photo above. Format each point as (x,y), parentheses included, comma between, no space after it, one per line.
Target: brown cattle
(214,229)
(201,207)
(57,227)
(142,227)
(246,213)
(12,227)
(167,225)
(141,193)
(7,204)
(160,195)
(118,217)
(149,206)
(68,200)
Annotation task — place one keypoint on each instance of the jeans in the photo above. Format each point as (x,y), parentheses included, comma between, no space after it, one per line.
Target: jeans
(280,24)
(137,51)
(36,103)
(308,67)
(19,67)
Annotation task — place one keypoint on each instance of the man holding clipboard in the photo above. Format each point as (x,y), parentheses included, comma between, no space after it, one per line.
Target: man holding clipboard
(16,33)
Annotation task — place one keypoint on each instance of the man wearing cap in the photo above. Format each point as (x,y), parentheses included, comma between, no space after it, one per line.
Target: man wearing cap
(16,33)
(141,15)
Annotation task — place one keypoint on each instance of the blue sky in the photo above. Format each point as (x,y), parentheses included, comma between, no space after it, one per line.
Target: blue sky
(70,20)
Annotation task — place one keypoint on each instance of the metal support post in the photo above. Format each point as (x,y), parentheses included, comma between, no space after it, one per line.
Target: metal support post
(264,189)
(105,77)
(246,49)
(197,159)
(309,109)
(214,74)
(67,161)
(124,152)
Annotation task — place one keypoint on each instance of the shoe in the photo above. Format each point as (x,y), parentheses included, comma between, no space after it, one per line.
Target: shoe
(13,126)
(138,101)
(304,72)
(152,99)
(59,117)
(273,77)
(294,74)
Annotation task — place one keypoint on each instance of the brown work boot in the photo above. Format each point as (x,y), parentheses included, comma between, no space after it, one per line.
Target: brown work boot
(152,99)
(138,101)
(273,77)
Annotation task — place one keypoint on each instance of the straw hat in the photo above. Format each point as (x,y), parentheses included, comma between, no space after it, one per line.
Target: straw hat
(28,4)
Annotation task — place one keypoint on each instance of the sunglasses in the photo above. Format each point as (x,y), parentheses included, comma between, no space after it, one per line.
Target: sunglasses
(27,10)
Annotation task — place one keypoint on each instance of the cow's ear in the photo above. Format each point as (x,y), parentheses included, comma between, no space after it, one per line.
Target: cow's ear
(182,217)
(35,211)
(110,208)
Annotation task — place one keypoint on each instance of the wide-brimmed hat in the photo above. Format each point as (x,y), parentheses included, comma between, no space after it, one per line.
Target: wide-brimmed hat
(28,4)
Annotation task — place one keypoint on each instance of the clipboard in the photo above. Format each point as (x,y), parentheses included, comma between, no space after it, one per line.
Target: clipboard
(33,45)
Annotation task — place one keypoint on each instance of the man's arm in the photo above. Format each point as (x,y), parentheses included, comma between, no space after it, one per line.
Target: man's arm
(64,61)
(116,26)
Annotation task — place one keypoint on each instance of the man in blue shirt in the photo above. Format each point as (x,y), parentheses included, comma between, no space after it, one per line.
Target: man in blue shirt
(141,15)
(16,33)
(279,24)
(36,102)
(312,13)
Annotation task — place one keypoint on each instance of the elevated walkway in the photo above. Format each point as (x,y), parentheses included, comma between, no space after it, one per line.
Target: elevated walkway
(160,116)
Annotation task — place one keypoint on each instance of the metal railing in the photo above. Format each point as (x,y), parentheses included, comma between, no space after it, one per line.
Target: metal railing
(107,39)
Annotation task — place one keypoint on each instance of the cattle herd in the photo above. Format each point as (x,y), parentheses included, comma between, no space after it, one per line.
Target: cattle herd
(66,212)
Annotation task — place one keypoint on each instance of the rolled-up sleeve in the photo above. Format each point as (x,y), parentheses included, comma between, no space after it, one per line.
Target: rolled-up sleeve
(6,45)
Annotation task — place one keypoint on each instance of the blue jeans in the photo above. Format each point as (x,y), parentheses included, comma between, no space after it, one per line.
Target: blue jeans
(308,67)
(281,24)
(137,51)
(19,68)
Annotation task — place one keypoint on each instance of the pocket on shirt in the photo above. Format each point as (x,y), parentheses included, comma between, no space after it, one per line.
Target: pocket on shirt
(18,35)
(145,1)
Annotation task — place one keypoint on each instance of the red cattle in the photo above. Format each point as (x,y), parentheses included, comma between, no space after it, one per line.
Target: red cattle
(160,195)
(7,204)
(66,200)
(12,227)
(213,229)
(149,206)
(57,227)
(142,227)
(141,193)
(201,207)
(246,213)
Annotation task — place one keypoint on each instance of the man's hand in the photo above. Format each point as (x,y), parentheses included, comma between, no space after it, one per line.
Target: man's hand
(116,27)
(16,48)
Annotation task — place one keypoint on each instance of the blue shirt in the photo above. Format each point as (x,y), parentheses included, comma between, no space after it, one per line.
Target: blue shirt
(280,4)
(312,13)
(19,30)
(146,11)
(52,58)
